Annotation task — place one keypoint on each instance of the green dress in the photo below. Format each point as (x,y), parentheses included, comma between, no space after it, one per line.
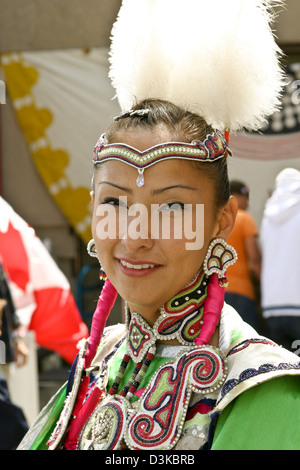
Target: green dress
(256,409)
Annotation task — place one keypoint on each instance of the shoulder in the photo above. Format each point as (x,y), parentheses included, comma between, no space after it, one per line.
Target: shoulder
(255,408)
(251,359)
(265,417)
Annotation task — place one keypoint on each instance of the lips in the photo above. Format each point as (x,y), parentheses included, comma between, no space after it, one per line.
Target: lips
(137,268)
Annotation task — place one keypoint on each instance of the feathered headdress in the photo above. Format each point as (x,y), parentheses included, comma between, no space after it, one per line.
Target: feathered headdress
(216,58)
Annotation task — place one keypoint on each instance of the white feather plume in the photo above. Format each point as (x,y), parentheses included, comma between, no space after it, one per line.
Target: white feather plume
(214,57)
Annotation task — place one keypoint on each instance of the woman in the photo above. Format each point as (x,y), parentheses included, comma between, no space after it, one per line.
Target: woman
(171,378)
(184,371)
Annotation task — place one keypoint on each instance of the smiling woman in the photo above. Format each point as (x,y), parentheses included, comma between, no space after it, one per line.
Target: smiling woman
(183,372)
(177,187)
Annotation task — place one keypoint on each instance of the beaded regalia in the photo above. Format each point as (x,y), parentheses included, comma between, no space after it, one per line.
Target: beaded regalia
(218,59)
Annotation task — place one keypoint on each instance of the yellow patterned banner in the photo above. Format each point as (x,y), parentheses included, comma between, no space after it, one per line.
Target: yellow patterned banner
(63,102)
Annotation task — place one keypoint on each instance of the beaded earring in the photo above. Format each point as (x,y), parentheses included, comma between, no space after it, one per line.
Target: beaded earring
(219,256)
(92,251)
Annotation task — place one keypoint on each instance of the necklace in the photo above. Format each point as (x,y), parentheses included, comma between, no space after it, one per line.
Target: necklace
(180,318)
(156,420)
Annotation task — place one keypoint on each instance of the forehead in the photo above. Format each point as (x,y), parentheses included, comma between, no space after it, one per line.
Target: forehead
(168,173)
(145,138)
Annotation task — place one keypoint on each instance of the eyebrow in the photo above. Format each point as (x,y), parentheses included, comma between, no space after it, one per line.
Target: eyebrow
(154,191)
(175,186)
(127,190)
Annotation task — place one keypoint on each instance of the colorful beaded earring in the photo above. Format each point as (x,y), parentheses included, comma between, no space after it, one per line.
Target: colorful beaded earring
(219,256)
(91,249)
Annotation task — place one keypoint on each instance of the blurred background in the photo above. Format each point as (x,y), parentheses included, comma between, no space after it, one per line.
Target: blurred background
(56,99)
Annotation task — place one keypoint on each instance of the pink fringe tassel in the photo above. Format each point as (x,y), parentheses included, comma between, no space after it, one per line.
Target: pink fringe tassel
(212,310)
(105,304)
(81,413)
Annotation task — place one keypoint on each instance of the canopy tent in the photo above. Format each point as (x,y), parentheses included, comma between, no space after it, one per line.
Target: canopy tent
(63,102)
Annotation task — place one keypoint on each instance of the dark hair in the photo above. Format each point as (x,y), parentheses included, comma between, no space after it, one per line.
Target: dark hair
(184,126)
(238,187)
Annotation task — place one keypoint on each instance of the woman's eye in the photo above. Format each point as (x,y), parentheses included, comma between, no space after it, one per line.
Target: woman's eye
(114,201)
(172,206)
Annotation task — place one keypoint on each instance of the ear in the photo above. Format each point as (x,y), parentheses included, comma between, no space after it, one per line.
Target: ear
(226,218)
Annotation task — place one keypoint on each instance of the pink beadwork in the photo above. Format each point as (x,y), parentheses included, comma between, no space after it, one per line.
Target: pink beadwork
(212,310)
(82,412)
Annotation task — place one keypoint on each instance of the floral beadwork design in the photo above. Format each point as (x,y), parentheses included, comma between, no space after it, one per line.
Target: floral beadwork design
(181,317)
(220,255)
(140,337)
(105,428)
(157,421)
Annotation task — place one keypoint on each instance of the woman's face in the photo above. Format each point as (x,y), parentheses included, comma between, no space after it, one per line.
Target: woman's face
(148,264)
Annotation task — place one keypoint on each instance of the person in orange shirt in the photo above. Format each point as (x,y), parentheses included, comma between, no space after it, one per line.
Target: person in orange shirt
(241,293)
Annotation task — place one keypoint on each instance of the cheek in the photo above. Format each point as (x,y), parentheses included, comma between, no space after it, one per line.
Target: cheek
(183,256)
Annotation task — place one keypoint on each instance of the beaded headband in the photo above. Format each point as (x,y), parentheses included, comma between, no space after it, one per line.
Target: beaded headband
(213,148)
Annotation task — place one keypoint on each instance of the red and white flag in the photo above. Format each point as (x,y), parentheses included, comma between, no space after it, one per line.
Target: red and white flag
(40,291)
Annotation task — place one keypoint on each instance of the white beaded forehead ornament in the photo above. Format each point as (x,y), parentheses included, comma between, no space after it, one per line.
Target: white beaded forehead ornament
(213,148)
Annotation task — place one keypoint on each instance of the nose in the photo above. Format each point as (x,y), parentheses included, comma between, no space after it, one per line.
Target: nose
(132,245)
(136,234)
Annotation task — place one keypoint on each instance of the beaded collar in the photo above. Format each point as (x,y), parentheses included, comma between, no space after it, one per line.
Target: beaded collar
(180,318)
(155,421)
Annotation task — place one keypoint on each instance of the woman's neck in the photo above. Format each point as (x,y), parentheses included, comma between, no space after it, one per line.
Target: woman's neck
(180,320)
(150,315)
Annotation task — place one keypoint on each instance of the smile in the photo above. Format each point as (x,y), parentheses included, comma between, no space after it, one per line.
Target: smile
(137,266)
(137,269)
